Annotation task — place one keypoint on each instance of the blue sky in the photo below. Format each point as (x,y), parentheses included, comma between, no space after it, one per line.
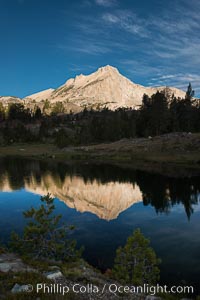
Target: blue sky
(45,42)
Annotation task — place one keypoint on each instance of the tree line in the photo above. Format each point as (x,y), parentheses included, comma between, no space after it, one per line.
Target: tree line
(159,114)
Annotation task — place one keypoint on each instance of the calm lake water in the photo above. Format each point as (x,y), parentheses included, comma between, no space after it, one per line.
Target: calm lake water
(106,204)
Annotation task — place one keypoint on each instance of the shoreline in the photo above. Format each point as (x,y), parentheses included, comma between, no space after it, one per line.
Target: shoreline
(175,155)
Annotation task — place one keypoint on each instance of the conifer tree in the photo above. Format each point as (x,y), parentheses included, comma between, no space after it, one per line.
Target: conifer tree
(42,237)
(136,263)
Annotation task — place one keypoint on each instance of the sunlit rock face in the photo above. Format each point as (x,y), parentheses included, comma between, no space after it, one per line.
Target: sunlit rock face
(5,185)
(7,100)
(106,201)
(104,88)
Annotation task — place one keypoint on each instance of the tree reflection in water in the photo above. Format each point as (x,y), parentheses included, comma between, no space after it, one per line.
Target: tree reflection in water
(160,191)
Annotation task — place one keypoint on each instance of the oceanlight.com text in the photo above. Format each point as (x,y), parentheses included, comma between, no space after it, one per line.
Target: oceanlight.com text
(112,288)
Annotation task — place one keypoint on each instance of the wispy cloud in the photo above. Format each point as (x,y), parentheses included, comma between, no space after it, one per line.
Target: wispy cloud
(158,75)
(127,21)
(106,3)
(110,18)
(140,67)
(160,48)
(179,80)
(91,47)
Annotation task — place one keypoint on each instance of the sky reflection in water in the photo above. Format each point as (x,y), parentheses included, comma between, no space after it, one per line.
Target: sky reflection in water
(106,204)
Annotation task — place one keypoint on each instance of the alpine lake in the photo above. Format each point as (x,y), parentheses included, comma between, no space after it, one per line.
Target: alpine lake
(106,204)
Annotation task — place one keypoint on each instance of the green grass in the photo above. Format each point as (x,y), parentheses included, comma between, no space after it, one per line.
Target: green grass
(177,151)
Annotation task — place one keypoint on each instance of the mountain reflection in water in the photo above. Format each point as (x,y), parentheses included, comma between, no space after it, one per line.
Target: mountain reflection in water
(103,190)
(92,194)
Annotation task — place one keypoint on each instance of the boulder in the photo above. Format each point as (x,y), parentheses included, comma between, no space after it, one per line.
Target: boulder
(10,262)
(53,275)
(21,288)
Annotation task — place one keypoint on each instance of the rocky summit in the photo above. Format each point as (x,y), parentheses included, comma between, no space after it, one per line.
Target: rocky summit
(104,88)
